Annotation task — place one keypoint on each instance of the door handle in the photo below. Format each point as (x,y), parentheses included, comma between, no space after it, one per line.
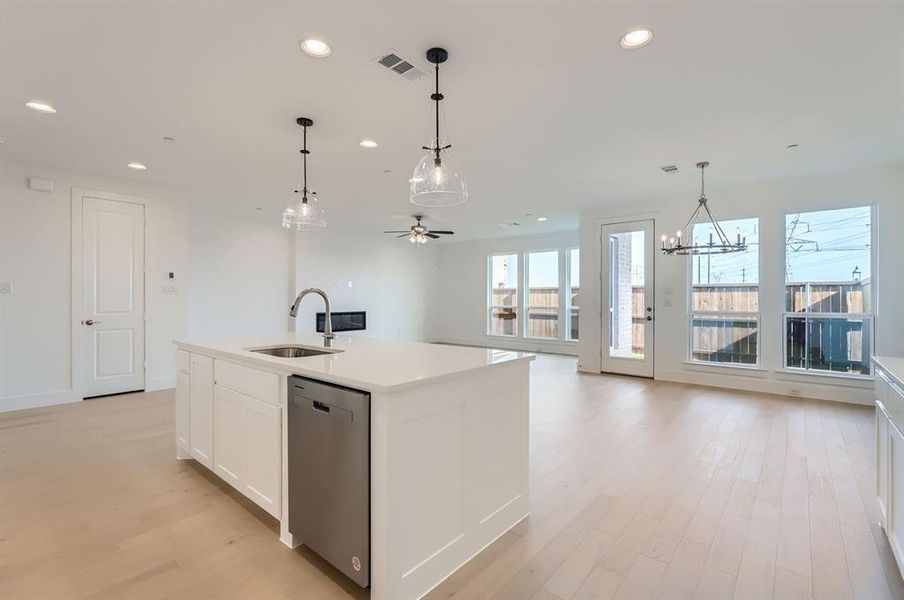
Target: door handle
(649,318)
(89,322)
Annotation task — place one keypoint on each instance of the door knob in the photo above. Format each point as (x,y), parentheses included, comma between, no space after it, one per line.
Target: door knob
(89,322)
(649,318)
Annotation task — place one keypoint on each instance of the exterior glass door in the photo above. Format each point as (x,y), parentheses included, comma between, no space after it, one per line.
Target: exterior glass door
(628,311)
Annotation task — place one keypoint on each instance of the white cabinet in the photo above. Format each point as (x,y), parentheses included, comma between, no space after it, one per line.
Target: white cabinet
(895,528)
(229,419)
(263,472)
(229,435)
(200,417)
(182,411)
(890,459)
(882,455)
(248,442)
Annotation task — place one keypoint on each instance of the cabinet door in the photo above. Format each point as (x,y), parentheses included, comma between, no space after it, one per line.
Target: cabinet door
(896,493)
(263,472)
(182,410)
(882,432)
(200,419)
(229,435)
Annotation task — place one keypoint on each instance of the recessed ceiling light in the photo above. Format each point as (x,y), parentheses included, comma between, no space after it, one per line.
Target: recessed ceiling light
(542,219)
(316,48)
(368,144)
(137,166)
(636,39)
(41,107)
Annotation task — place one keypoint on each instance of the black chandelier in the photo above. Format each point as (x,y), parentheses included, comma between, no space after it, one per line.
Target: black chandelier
(718,242)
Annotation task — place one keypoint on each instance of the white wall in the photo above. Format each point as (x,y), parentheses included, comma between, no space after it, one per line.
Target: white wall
(460,296)
(241,270)
(769,201)
(35,257)
(389,278)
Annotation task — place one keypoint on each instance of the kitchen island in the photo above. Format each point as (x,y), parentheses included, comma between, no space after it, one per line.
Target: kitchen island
(448,440)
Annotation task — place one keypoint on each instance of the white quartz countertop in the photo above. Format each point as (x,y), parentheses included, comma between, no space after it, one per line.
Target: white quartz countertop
(893,366)
(369,364)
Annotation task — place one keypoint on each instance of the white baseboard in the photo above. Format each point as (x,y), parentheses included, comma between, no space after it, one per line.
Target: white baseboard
(10,403)
(160,383)
(796,389)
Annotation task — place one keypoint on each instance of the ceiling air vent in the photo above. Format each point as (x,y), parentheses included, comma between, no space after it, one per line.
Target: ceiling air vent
(669,169)
(400,66)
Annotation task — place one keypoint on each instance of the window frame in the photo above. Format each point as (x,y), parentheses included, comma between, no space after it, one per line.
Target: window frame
(870,316)
(756,316)
(522,321)
(490,307)
(525,292)
(567,295)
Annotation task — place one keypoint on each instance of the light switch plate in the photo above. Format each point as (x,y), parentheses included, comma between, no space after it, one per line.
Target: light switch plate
(6,288)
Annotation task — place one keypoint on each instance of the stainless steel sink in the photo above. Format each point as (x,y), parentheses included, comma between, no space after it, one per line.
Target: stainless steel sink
(290,351)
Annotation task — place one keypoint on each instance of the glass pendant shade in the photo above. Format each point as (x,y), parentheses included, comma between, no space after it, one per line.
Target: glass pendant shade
(438,185)
(303,215)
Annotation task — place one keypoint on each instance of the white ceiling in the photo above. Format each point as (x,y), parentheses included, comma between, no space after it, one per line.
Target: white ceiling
(547,113)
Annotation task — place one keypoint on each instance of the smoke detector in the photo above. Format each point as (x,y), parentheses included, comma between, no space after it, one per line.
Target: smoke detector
(400,66)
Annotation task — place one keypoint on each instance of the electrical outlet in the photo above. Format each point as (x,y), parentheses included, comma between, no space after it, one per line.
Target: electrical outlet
(6,288)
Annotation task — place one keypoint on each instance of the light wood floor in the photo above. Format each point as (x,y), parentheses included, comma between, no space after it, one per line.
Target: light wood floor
(639,489)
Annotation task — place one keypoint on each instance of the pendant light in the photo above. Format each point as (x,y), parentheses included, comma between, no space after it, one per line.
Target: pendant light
(303,212)
(437,179)
(718,242)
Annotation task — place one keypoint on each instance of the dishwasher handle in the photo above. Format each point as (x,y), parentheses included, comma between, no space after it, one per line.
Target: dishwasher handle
(320,406)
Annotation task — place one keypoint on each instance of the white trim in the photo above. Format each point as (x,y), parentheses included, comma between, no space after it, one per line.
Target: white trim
(159,383)
(784,387)
(839,378)
(10,403)
(707,366)
(77,195)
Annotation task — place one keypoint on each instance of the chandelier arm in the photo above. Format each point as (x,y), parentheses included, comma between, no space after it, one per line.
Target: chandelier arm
(690,221)
(723,239)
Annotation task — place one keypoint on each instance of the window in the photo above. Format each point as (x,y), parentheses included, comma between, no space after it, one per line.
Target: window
(627,293)
(543,294)
(571,299)
(725,299)
(503,295)
(828,291)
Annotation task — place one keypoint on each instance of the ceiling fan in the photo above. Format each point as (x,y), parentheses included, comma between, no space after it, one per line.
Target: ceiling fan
(418,233)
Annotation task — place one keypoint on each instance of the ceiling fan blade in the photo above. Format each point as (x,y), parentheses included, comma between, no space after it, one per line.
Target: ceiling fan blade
(442,232)
(432,235)
(395,232)
(406,234)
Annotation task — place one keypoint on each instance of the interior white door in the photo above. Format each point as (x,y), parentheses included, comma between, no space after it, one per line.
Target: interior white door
(112,320)
(627,289)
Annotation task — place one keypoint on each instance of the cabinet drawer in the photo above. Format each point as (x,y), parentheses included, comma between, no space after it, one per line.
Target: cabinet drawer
(182,361)
(257,384)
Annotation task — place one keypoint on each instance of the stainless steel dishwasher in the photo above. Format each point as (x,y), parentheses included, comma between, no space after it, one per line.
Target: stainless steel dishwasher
(329,473)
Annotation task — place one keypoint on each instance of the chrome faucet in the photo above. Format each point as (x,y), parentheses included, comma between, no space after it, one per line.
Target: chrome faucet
(327,321)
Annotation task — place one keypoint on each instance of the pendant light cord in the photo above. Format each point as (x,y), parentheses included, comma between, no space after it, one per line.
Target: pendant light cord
(702,181)
(437,97)
(304,162)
